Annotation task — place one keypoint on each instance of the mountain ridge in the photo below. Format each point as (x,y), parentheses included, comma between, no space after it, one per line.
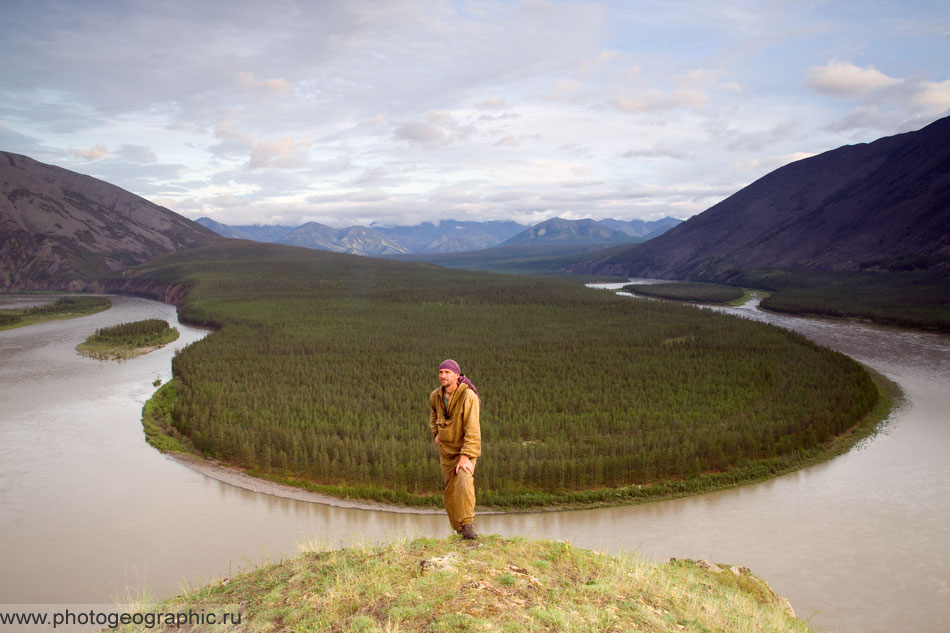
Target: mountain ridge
(63,230)
(447,236)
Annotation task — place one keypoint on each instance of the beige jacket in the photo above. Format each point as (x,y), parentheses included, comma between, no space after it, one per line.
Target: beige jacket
(456,427)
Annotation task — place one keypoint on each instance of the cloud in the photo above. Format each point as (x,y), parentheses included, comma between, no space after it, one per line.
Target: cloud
(656,100)
(13,141)
(424,133)
(933,96)
(136,154)
(262,153)
(437,128)
(233,143)
(96,153)
(576,149)
(268,87)
(283,153)
(844,79)
(903,106)
(690,90)
(588,68)
(370,176)
(658,150)
(766,164)
(491,103)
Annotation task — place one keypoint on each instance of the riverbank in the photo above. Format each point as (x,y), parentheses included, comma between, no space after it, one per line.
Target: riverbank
(69,307)
(498,584)
(162,436)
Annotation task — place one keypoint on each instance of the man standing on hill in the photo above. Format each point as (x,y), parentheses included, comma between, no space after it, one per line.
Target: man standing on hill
(453,420)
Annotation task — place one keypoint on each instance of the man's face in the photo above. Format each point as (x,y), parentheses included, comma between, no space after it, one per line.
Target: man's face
(447,377)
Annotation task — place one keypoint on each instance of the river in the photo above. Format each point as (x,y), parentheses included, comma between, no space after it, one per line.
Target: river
(92,515)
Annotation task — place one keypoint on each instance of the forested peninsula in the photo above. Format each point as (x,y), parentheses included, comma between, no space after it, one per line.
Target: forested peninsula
(319,371)
(67,307)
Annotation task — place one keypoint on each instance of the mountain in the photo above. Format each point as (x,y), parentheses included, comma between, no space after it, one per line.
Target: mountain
(884,204)
(253,232)
(447,236)
(362,240)
(358,240)
(313,235)
(450,236)
(641,228)
(62,230)
(223,230)
(444,237)
(574,232)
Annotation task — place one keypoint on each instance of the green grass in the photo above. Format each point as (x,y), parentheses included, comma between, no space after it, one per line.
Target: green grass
(69,307)
(494,584)
(128,340)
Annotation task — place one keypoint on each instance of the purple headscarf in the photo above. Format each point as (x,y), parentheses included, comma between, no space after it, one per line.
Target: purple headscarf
(451,365)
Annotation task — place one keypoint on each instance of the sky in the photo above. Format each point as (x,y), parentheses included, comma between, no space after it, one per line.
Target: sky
(396,112)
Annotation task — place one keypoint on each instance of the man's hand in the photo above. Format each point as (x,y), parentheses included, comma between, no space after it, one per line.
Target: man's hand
(465,464)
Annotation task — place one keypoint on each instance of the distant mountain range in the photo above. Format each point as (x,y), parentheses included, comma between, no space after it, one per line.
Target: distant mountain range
(60,230)
(883,205)
(448,236)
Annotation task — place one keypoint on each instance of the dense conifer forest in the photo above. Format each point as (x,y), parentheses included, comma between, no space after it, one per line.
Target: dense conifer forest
(322,363)
(689,291)
(905,297)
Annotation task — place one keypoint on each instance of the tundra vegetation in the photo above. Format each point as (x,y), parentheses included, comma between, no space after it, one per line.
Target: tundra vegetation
(319,373)
(512,585)
(128,340)
(63,308)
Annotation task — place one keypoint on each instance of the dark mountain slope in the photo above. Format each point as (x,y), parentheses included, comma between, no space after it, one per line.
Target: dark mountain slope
(878,204)
(62,230)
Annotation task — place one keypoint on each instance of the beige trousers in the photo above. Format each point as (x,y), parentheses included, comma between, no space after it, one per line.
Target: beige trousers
(458,493)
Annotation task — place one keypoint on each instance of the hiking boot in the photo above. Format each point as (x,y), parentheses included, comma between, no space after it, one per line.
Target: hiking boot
(468,532)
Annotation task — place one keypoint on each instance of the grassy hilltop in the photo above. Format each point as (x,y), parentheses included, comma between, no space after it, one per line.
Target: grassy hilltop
(319,372)
(496,584)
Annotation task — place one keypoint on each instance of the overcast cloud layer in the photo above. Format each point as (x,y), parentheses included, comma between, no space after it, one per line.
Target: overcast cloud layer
(402,111)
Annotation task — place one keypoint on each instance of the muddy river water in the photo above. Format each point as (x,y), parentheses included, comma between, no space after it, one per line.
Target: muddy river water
(90,514)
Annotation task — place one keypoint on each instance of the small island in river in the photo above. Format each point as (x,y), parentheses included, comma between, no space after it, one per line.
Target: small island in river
(128,340)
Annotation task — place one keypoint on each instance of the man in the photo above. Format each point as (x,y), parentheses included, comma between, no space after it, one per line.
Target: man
(453,420)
